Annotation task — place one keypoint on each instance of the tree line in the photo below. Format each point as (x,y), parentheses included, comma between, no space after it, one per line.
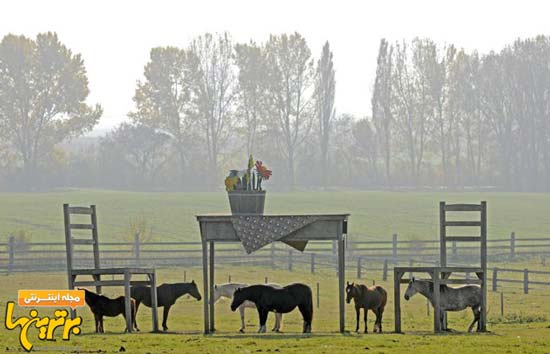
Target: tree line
(441,117)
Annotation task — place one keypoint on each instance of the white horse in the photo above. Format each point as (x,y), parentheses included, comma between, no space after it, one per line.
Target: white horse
(227,290)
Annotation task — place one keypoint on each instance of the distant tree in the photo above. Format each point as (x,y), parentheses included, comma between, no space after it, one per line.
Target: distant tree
(325,89)
(290,73)
(215,89)
(365,144)
(166,98)
(251,95)
(43,88)
(381,103)
(143,148)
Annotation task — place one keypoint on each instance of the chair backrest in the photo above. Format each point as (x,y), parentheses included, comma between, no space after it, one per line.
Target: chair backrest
(71,241)
(480,223)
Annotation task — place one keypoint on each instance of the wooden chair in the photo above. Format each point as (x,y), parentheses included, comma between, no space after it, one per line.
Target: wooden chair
(97,271)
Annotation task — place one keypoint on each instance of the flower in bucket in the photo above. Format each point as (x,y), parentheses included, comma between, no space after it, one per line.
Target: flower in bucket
(263,173)
(249,179)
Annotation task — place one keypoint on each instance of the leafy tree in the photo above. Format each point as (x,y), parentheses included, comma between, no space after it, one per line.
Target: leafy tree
(325,87)
(381,103)
(43,88)
(166,99)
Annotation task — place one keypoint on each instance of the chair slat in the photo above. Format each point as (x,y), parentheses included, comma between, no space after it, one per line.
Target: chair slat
(462,223)
(81,226)
(82,241)
(462,207)
(80,210)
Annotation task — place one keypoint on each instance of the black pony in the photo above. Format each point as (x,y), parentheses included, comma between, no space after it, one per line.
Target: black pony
(282,300)
(103,306)
(167,294)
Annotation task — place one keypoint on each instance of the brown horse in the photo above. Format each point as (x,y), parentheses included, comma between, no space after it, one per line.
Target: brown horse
(373,298)
(103,306)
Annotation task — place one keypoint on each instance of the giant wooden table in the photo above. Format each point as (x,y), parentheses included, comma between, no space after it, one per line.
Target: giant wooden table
(219,228)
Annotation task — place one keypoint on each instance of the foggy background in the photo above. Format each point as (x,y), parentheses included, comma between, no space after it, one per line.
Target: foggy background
(170,96)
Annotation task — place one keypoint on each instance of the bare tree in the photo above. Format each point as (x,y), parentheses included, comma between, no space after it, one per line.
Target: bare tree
(290,71)
(250,60)
(216,88)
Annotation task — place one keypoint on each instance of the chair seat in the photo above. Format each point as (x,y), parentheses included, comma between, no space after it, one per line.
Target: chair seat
(110,283)
(103,271)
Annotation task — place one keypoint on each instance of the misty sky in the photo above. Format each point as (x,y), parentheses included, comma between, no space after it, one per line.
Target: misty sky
(115,37)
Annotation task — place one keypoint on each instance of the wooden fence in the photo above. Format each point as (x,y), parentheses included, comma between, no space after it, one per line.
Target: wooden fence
(364,258)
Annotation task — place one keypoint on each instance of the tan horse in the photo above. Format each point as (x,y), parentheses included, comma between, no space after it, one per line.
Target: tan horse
(373,298)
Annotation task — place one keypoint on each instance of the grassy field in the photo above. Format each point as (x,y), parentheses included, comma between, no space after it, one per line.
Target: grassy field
(374,215)
(523,328)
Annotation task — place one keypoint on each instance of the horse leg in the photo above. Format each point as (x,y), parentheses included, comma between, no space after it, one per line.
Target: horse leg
(241,310)
(366,326)
(96,318)
(306,309)
(165,317)
(376,312)
(476,312)
(357,314)
(135,316)
(278,318)
(380,313)
(263,319)
(101,329)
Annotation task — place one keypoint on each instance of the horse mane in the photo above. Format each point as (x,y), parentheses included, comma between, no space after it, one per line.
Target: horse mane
(442,287)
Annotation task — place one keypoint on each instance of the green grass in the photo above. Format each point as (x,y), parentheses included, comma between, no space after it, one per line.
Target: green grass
(523,328)
(374,215)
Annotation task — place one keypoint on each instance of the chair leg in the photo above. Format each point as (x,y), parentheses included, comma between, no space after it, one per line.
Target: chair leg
(127,301)
(154,301)
(71,287)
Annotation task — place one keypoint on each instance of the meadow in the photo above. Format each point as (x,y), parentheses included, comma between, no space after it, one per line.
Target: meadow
(524,326)
(374,215)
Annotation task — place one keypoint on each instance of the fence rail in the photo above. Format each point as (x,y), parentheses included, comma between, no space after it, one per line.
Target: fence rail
(362,257)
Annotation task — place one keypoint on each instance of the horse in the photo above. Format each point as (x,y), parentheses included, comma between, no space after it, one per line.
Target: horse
(227,290)
(373,298)
(450,299)
(103,306)
(167,294)
(281,300)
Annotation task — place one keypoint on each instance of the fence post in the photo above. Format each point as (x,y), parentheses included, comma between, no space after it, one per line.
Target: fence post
(454,248)
(358,267)
(313,263)
(512,245)
(410,265)
(266,280)
(526,281)
(501,304)
(137,250)
(495,278)
(185,276)
(385,270)
(290,260)
(394,246)
(229,278)
(11,251)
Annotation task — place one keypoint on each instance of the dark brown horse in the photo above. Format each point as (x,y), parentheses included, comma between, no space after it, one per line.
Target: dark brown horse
(373,298)
(167,294)
(103,306)
(283,300)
